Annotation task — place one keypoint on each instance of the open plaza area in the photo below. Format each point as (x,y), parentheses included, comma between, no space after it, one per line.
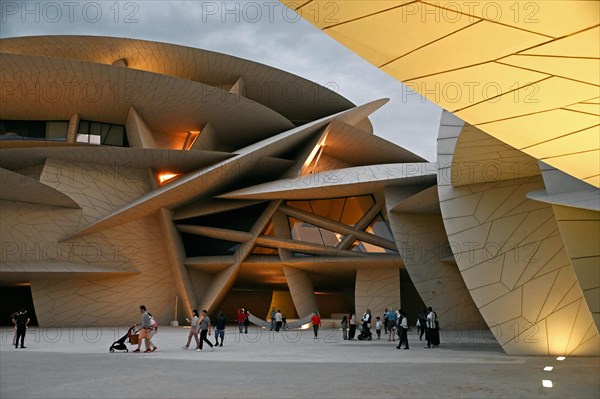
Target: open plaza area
(76,363)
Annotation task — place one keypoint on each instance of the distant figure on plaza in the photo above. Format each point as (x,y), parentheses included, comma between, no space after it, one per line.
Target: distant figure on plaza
(204,331)
(402,330)
(284,322)
(316,323)
(13,318)
(240,319)
(273,313)
(345,327)
(385,321)
(145,330)
(220,324)
(366,324)
(278,320)
(194,323)
(246,320)
(21,321)
(432,335)
(392,320)
(422,320)
(351,324)
(378,327)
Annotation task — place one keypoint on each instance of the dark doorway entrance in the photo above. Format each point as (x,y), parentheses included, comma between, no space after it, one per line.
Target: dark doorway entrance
(14,298)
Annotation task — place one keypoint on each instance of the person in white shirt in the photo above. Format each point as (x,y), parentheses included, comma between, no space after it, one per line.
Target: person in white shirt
(432,335)
(278,320)
(403,330)
(351,324)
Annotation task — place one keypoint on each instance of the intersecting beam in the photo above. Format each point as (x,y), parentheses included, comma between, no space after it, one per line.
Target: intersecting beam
(362,224)
(223,282)
(306,247)
(338,227)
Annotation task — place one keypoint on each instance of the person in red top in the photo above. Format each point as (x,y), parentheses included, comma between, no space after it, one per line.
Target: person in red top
(240,319)
(316,323)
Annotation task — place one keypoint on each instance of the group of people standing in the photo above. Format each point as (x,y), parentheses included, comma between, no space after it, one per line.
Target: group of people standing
(394,322)
(278,320)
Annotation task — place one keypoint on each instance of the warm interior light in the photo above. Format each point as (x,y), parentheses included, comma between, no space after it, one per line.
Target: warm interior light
(560,358)
(166,176)
(547,383)
(548,368)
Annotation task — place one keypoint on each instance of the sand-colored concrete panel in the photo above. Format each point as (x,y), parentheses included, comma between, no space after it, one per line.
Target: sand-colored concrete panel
(376,290)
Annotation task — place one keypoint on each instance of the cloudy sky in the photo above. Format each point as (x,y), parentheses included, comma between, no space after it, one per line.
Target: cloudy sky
(262,31)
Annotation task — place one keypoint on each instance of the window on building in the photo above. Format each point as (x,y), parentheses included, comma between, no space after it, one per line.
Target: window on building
(33,130)
(101,133)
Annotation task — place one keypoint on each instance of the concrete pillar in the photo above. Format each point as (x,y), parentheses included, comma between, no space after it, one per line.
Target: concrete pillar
(301,288)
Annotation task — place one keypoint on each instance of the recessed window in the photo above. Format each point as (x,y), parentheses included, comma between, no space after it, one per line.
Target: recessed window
(34,130)
(101,133)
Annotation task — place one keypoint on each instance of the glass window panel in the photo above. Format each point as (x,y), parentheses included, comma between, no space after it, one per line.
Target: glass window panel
(329,208)
(330,238)
(105,129)
(96,128)
(94,139)
(307,232)
(84,127)
(114,137)
(355,208)
(380,228)
(57,131)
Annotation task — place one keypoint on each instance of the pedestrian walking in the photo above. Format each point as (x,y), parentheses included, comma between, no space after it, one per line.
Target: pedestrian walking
(194,323)
(204,331)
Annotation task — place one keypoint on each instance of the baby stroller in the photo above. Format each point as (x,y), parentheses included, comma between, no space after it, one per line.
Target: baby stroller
(120,344)
(365,333)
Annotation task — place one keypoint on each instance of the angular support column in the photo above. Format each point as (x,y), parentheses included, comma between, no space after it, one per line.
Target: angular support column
(176,254)
(302,290)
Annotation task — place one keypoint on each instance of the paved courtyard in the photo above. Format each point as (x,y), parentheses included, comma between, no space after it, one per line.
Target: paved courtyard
(76,363)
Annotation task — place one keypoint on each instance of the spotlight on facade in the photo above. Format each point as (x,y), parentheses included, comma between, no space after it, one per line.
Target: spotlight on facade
(560,358)
(547,383)
(548,368)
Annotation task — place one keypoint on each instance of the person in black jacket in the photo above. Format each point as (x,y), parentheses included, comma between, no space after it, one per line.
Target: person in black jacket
(220,323)
(21,321)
